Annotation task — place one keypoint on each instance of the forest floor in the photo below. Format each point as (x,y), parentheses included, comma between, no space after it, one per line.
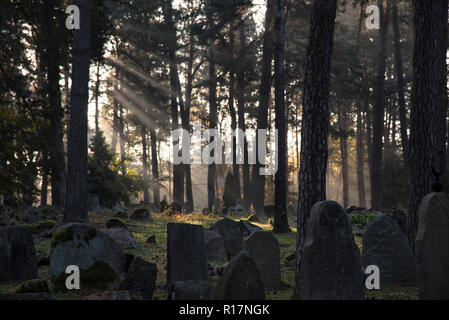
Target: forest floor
(156,253)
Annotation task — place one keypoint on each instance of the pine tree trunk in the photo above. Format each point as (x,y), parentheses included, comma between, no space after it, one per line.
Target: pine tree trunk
(146,196)
(344,160)
(235,166)
(115,119)
(212,123)
(241,87)
(429,66)
(280,184)
(378,114)
(315,118)
(155,168)
(360,150)
(56,113)
(76,203)
(258,180)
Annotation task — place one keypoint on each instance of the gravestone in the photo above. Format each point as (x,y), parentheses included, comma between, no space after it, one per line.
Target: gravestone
(214,246)
(240,280)
(122,236)
(115,223)
(432,247)
(230,232)
(386,246)
(186,257)
(238,211)
(401,219)
(246,228)
(99,258)
(140,278)
(18,259)
(263,247)
(192,290)
(330,265)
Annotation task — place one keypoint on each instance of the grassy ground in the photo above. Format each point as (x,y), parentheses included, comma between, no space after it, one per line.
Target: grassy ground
(156,253)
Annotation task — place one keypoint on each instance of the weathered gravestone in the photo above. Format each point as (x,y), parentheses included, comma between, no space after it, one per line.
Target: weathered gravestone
(18,259)
(432,247)
(99,258)
(330,265)
(186,257)
(240,280)
(192,290)
(140,278)
(230,231)
(214,246)
(263,247)
(141,214)
(187,207)
(246,228)
(386,246)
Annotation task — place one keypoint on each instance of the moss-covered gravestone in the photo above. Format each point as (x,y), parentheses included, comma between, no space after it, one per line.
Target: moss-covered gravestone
(186,257)
(432,247)
(18,259)
(240,280)
(99,258)
(330,266)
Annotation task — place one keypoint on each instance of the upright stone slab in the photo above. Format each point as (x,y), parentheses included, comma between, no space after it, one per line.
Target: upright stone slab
(230,231)
(186,257)
(330,264)
(264,248)
(240,280)
(214,246)
(18,259)
(432,247)
(386,246)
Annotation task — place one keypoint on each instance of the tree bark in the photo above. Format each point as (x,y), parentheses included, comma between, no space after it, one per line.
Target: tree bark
(76,202)
(146,196)
(280,184)
(429,69)
(360,158)
(378,114)
(241,87)
(258,180)
(56,146)
(344,159)
(155,168)
(315,118)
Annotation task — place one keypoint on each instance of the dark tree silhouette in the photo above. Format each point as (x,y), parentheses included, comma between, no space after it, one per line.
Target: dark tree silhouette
(315,117)
(76,201)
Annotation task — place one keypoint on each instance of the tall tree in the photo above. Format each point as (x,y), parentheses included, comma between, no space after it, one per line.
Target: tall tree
(315,118)
(280,193)
(379,112)
(52,58)
(429,73)
(76,201)
(258,180)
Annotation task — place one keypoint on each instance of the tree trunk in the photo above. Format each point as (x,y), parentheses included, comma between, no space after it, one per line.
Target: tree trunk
(258,180)
(146,196)
(212,122)
(360,150)
(44,185)
(241,87)
(56,113)
(97,93)
(429,66)
(115,119)
(122,140)
(76,203)
(235,166)
(155,168)
(344,159)
(315,118)
(280,184)
(175,97)
(378,113)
